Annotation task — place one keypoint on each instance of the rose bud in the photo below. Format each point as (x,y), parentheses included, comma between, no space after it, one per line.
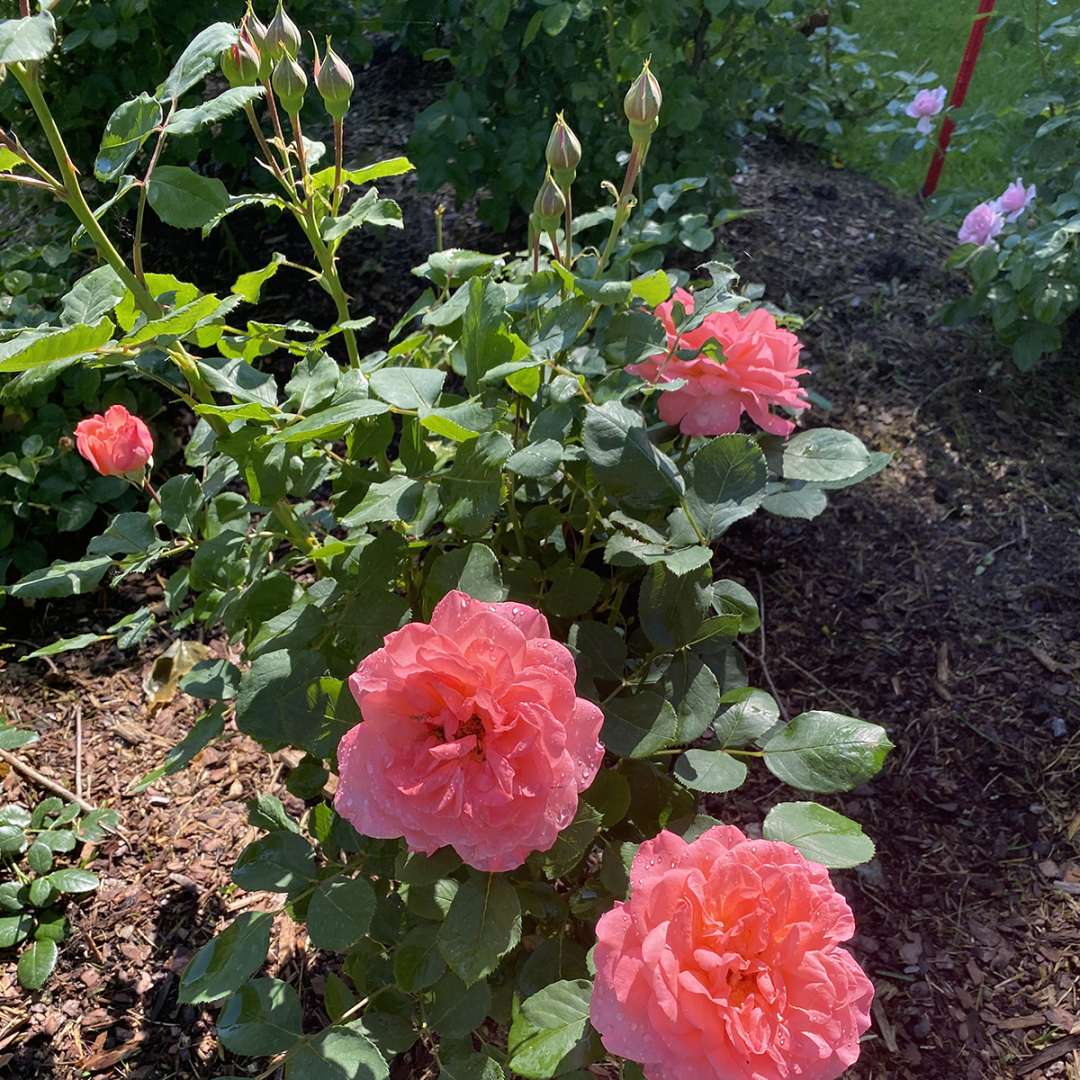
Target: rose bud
(116,443)
(334,81)
(240,63)
(283,35)
(550,205)
(290,85)
(642,105)
(563,153)
(257,31)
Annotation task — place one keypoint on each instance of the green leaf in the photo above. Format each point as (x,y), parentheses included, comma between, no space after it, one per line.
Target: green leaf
(369,209)
(23,41)
(41,893)
(639,724)
(61,579)
(396,499)
(417,960)
(456,1009)
(572,843)
(93,296)
(408,388)
(473,569)
(226,962)
(482,926)
(397,166)
(262,1017)
(38,958)
(12,839)
(97,825)
(822,835)
(130,533)
(338,999)
(824,751)
(550,1031)
(330,422)
(804,503)
(462,1062)
(130,125)
(484,341)
(215,680)
(80,641)
(710,770)
(198,60)
(415,868)
(653,288)
(878,462)
(188,121)
(472,489)
(207,728)
(726,481)
(342,1052)
(731,598)
(627,465)
(751,714)
(278,862)
(673,606)
(32,348)
(691,687)
(14,929)
(574,590)
(824,454)
(73,880)
(279,703)
(536,460)
(11,738)
(39,857)
(249,285)
(179,322)
(184,199)
(340,913)
(181,499)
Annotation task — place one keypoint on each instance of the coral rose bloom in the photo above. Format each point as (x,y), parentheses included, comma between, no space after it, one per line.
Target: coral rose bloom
(759,369)
(472,736)
(115,443)
(725,964)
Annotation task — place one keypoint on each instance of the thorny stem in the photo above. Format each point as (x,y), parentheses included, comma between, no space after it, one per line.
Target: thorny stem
(24,9)
(140,213)
(275,120)
(305,216)
(151,490)
(16,147)
(568,227)
(271,160)
(27,79)
(301,153)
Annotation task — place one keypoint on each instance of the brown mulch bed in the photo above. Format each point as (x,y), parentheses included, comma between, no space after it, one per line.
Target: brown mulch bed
(938,599)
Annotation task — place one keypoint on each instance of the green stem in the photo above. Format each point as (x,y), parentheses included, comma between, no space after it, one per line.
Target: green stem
(292,525)
(264,146)
(301,153)
(136,246)
(693,524)
(27,79)
(305,217)
(275,120)
(339,155)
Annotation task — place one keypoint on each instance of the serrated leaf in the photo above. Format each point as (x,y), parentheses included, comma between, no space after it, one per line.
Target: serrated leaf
(130,125)
(23,41)
(638,725)
(824,751)
(262,1017)
(278,862)
(74,880)
(32,348)
(821,834)
(342,1052)
(710,770)
(482,926)
(396,166)
(550,1026)
(184,199)
(226,962)
(340,913)
(188,121)
(824,454)
(198,59)
(61,579)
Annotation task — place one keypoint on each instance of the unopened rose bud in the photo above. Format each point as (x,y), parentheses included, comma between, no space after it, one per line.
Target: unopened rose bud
(257,31)
(283,35)
(563,152)
(642,105)
(550,205)
(290,85)
(240,63)
(334,81)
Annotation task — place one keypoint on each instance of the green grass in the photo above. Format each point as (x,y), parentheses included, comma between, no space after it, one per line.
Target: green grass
(934,33)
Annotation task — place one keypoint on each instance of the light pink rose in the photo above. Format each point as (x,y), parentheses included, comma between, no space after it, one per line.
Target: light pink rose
(472,736)
(755,368)
(115,443)
(725,964)
(924,106)
(1014,200)
(981,226)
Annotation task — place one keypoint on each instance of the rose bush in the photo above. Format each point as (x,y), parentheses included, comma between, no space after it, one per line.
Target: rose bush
(469,576)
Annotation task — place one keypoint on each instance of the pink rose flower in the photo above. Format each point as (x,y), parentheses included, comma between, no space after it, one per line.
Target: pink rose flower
(981,226)
(758,369)
(1014,200)
(473,736)
(925,105)
(116,444)
(725,964)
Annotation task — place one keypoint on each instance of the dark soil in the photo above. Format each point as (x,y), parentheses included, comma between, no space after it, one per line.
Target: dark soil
(938,599)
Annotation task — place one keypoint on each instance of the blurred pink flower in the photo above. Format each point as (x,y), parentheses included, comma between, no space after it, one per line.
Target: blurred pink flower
(472,736)
(1014,200)
(757,369)
(725,964)
(115,443)
(981,226)
(924,106)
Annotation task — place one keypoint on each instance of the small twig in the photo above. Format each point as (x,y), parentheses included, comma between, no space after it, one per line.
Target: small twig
(78,752)
(43,781)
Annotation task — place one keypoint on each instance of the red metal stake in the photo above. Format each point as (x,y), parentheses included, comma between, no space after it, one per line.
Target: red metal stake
(959,93)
